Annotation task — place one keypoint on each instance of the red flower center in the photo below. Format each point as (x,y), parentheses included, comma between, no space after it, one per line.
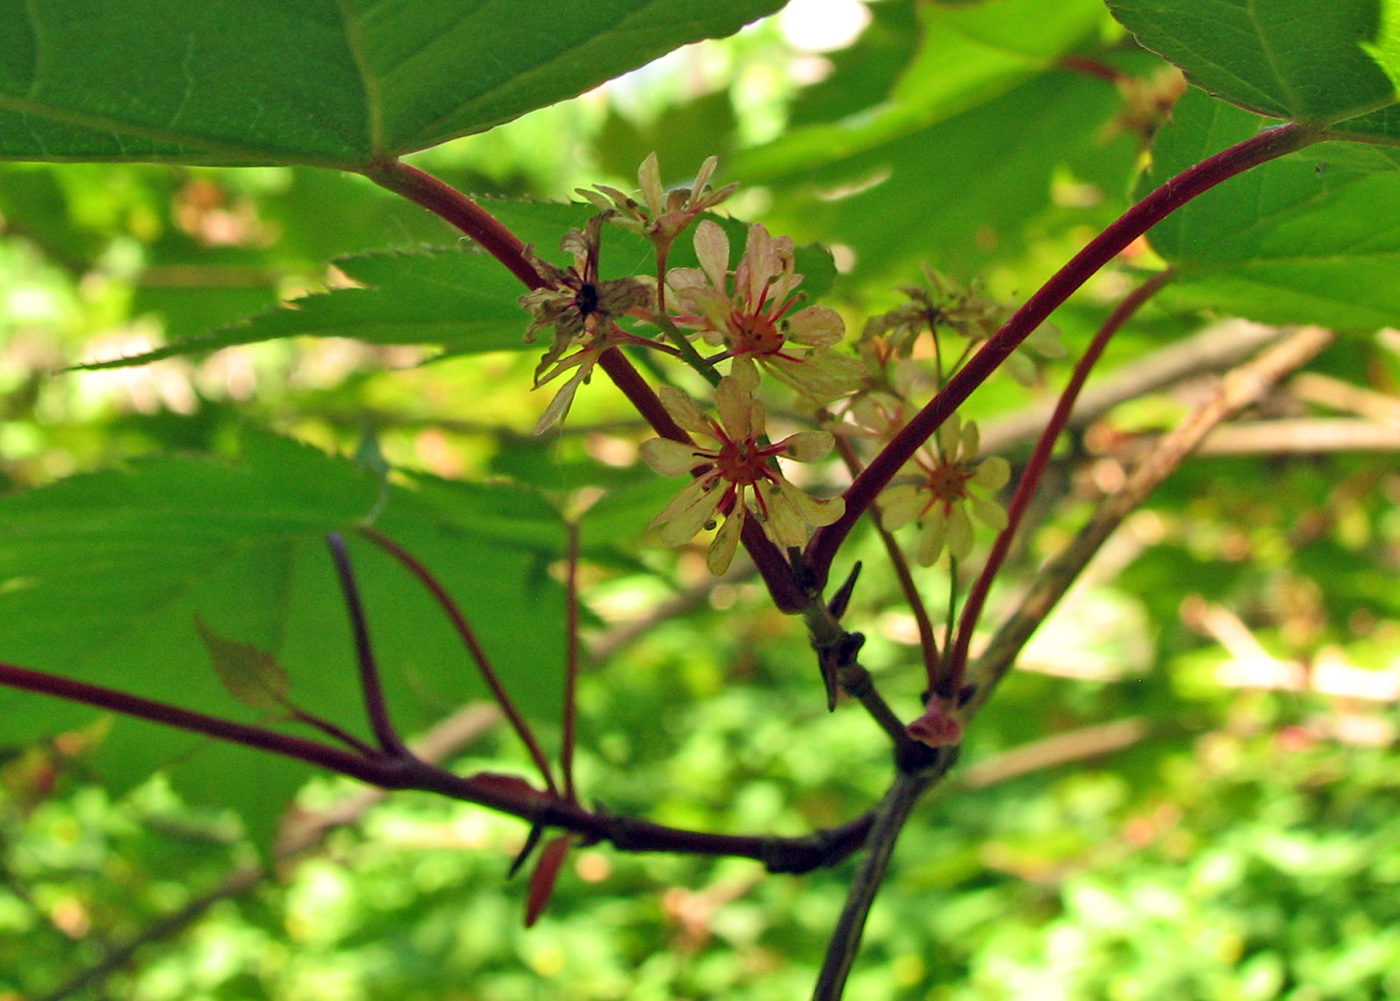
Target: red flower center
(755,334)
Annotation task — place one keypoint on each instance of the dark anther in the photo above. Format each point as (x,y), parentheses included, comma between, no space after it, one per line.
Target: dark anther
(587,299)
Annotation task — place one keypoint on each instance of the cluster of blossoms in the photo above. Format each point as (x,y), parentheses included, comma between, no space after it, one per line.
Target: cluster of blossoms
(754,315)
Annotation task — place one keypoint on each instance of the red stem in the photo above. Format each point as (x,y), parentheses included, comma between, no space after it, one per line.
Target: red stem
(566,752)
(1176,192)
(456,208)
(375,705)
(952,677)
(448,203)
(504,794)
(473,645)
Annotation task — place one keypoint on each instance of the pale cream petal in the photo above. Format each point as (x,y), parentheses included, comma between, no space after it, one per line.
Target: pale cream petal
(559,406)
(689,511)
(702,178)
(988,512)
(816,327)
(949,434)
(971,442)
(779,519)
(712,248)
(808,446)
(673,458)
(745,371)
(759,263)
(649,177)
(900,505)
(931,539)
(992,473)
(821,376)
(684,411)
(726,542)
(736,408)
(815,512)
(959,536)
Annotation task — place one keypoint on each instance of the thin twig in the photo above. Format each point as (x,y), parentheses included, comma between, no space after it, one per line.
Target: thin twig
(1166,199)
(469,640)
(375,706)
(952,679)
(1239,388)
(890,818)
(928,642)
(566,752)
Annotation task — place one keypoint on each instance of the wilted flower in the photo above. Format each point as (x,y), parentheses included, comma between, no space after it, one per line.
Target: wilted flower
(964,310)
(939,493)
(735,474)
(665,214)
(750,317)
(581,309)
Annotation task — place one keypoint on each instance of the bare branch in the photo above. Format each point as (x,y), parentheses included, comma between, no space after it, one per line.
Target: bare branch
(1239,388)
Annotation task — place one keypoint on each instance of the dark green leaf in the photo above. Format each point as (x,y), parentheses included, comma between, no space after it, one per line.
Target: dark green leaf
(1298,240)
(1293,59)
(330,82)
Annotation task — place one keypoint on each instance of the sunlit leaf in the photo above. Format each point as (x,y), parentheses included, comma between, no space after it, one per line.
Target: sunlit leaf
(320,81)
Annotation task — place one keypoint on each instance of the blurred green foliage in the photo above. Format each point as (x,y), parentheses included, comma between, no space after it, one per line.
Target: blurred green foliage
(1211,833)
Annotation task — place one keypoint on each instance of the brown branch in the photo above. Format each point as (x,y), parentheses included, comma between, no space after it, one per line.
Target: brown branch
(1239,388)
(1219,346)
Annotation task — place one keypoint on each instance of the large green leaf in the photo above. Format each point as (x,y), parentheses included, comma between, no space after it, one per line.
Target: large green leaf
(1311,238)
(1293,59)
(328,82)
(957,193)
(103,576)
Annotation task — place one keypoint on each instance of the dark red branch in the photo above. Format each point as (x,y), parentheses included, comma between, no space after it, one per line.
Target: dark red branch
(1166,199)
(951,681)
(469,640)
(456,208)
(375,705)
(449,204)
(503,793)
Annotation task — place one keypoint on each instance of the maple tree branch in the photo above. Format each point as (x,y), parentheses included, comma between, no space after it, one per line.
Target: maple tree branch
(469,640)
(952,677)
(375,705)
(502,793)
(1172,195)
(1239,387)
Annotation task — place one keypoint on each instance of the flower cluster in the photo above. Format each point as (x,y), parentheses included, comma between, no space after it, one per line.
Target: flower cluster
(946,305)
(748,313)
(936,491)
(735,474)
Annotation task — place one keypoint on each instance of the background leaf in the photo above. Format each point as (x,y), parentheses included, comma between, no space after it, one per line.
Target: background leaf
(1290,59)
(104,574)
(1311,238)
